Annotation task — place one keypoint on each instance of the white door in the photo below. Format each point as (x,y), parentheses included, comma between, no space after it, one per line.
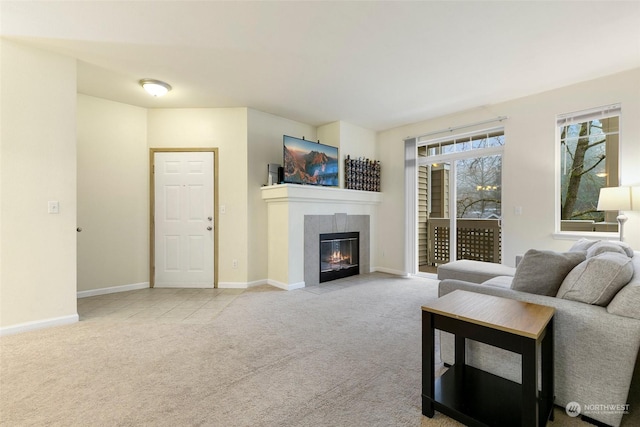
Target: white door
(183,217)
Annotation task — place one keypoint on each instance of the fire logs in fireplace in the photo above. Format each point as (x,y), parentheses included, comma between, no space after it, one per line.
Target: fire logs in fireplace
(339,255)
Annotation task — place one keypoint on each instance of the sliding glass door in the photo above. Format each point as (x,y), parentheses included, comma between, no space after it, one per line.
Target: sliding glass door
(459,201)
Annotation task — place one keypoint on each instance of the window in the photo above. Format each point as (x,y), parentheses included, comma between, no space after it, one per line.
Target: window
(589,144)
(488,139)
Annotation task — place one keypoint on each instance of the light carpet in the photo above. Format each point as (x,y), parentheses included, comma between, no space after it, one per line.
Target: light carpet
(349,357)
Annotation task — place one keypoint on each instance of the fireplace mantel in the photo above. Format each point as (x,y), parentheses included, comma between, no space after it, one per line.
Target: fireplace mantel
(287,206)
(312,193)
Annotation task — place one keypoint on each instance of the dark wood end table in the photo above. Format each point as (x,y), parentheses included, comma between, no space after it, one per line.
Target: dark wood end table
(475,397)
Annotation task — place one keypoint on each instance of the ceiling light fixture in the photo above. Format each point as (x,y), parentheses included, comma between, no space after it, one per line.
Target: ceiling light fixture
(155,87)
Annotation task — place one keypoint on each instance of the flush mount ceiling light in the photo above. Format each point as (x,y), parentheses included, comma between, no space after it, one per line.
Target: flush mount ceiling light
(155,87)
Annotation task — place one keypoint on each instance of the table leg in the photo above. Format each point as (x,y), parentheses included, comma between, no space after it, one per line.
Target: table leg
(529,383)
(460,351)
(547,372)
(428,369)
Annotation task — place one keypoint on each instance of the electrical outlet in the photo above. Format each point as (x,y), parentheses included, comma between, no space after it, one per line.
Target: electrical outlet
(54,207)
(235,263)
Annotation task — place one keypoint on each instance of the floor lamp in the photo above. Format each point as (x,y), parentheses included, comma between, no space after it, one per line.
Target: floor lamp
(616,199)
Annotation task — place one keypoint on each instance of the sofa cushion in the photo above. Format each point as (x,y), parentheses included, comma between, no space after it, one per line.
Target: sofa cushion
(625,246)
(542,272)
(597,279)
(606,246)
(500,281)
(627,300)
(582,245)
(602,246)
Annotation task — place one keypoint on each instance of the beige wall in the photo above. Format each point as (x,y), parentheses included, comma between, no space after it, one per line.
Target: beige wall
(113,188)
(225,129)
(38,155)
(113,194)
(529,166)
(265,133)
(351,139)
(38,164)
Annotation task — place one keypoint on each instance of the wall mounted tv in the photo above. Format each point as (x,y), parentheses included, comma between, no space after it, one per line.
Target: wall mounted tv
(308,162)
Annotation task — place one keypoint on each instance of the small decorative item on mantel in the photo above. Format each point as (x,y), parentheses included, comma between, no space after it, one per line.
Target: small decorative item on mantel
(361,174)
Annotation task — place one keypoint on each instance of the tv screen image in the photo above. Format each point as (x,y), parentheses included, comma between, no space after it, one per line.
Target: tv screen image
(308,162)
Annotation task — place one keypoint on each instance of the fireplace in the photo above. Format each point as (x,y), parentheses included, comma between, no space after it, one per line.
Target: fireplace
(339,255)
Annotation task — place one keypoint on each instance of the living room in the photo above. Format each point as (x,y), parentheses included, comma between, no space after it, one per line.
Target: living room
(91,153)
(248,139)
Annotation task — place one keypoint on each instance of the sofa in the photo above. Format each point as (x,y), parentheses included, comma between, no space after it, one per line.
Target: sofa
(596,334)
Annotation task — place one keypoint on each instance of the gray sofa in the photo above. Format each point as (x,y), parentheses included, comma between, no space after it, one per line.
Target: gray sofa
(596,347)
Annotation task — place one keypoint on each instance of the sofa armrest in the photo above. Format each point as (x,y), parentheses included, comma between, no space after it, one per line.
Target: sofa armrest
(473,271)
(595,351)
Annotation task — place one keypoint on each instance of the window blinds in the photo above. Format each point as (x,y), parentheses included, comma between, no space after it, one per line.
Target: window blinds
(587,115)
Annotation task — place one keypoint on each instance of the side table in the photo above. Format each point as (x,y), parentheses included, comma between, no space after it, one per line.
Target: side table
(475,397)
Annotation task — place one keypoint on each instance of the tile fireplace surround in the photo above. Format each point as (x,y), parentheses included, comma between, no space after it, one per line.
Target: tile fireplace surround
(298,214)
(314,225)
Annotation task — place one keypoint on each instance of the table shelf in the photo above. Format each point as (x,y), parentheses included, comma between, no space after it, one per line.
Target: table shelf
(477,397)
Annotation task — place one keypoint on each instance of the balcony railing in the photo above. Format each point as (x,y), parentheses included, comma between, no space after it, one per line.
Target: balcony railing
(476,239)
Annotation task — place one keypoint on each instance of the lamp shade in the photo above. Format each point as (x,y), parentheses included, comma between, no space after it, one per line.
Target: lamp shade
(615,199)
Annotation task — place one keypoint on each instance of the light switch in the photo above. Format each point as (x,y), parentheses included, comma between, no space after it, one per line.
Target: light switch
(223,209)
(54,207)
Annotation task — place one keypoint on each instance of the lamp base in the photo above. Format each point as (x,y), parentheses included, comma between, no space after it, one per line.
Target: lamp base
(621,220)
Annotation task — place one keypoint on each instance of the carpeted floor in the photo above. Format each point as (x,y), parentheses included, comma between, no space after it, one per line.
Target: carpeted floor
(346,357)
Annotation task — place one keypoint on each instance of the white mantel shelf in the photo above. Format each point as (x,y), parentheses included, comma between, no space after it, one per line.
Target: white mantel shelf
(317,194)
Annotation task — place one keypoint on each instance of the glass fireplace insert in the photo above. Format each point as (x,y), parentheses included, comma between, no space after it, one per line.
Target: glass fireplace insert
(339,255)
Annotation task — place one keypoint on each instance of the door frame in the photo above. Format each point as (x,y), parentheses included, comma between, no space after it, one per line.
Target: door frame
(412,203)
(152,208)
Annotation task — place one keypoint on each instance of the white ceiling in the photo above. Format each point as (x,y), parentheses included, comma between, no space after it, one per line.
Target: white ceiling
(374,64)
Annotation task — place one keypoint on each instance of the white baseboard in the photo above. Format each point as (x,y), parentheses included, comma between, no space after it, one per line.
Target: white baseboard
(391,271)
(112,290)
(39,324)
(246,285)
(241,285)
(232,285)
(257,283)
(207,285)
(285,286)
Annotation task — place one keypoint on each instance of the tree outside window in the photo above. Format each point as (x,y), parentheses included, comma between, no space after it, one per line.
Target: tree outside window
(589,161)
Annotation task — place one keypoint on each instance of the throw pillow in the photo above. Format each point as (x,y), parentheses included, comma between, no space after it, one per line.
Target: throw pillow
(542,272)
(606,246)
(597,279)
(582,245)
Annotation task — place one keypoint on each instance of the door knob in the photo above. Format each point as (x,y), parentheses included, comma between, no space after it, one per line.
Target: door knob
(209,228)
(210,218)
(79,229)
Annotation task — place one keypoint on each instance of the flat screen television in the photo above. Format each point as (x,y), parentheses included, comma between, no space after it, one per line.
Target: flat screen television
(308,162)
